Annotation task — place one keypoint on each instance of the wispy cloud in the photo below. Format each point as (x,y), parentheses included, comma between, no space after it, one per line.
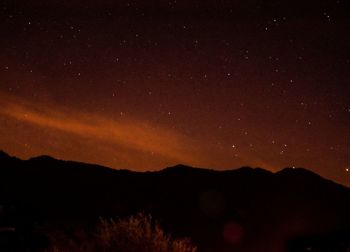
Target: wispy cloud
(132,135)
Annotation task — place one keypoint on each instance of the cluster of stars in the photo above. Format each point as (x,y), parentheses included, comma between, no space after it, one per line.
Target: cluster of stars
(268,90)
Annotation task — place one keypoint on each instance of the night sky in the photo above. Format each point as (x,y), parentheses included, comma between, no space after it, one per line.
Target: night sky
(147,84)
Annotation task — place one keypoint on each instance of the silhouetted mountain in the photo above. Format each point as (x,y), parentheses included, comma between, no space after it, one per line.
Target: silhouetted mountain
(234,210)
(3,155)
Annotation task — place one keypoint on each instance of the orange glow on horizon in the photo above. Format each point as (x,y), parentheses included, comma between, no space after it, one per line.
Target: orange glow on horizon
(132,135)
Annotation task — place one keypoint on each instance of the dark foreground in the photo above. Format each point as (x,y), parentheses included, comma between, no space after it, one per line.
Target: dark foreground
(236,210)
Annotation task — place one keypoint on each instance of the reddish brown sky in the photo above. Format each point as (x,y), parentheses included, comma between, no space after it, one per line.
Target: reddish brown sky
(143,86)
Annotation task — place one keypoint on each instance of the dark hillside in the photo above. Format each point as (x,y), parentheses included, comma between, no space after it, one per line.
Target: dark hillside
(236,210)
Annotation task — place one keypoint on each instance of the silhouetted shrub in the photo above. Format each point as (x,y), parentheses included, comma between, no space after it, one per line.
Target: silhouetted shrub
(133,234)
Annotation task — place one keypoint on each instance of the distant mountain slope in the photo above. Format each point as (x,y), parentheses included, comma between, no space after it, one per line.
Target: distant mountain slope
(236,210)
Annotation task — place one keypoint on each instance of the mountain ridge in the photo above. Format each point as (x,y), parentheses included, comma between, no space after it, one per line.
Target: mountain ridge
(188,202)
(177,167)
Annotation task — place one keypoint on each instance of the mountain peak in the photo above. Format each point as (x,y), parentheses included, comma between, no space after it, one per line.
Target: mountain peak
(178,167)
(183,168)
(296,170)
(301,173)
(43,158)
(4,155)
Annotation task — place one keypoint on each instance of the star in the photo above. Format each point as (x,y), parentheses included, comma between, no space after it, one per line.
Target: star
(191,79)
